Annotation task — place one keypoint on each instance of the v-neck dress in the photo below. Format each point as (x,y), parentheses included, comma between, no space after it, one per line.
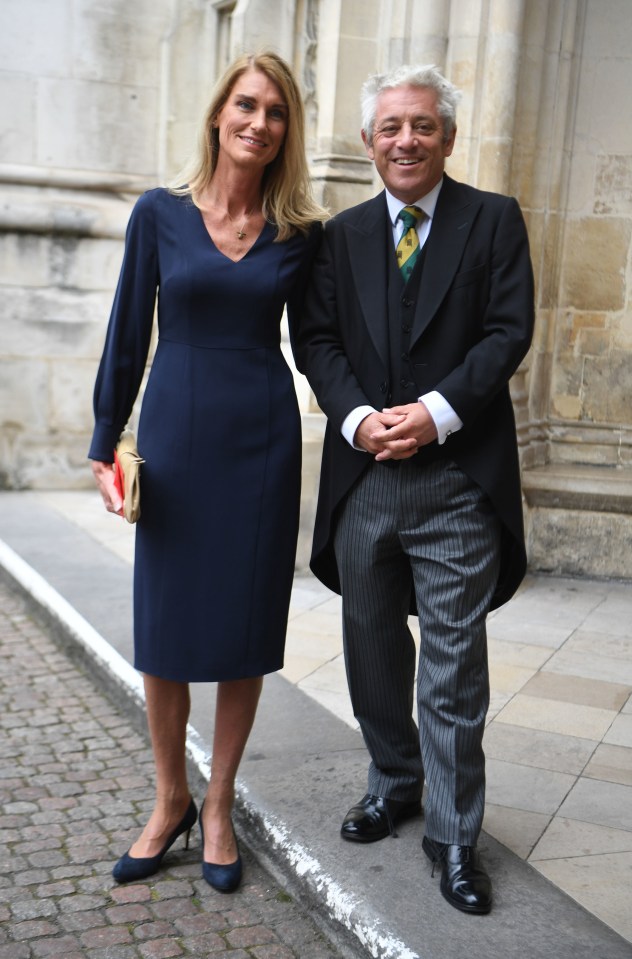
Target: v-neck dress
(220,434)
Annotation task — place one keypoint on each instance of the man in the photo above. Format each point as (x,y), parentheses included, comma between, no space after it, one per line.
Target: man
(411,333)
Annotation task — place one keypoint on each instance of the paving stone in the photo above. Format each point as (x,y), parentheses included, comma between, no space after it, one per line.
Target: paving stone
(15,950)
(202,923)
(161,949)
(273,951)
(77,786)
(129,913)
(105,936)
(251,936)
(153,930)
(33,909)
(131,893)
(172,909)
(208,943)
(32,929)
(80,921)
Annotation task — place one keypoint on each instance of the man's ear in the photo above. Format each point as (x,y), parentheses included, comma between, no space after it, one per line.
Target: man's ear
(367,146)
(448,145)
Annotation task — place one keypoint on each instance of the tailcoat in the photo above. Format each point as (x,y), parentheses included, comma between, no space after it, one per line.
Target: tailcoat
(472,327)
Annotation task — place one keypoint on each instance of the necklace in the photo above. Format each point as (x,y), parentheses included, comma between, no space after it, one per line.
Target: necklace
(240,232)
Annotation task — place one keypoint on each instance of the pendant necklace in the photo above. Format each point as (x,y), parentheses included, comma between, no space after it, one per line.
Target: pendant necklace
(240,233)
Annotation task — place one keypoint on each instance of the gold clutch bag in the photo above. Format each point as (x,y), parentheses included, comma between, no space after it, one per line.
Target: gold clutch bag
(127,463)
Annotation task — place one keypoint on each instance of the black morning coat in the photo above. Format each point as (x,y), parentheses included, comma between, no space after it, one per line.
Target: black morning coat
(472,326)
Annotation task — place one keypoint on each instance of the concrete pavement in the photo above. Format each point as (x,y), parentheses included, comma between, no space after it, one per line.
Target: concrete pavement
(559,743)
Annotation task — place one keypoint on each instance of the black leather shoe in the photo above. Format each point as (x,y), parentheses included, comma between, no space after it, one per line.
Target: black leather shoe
(374,818)
(464,882)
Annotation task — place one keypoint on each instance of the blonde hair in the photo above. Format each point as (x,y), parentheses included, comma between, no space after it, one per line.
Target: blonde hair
(288,200)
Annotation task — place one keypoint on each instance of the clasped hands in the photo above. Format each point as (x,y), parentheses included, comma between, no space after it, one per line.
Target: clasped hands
(396,433)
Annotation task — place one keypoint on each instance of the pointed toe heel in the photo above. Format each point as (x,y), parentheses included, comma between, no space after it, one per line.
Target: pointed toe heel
(130,869)
(222,878)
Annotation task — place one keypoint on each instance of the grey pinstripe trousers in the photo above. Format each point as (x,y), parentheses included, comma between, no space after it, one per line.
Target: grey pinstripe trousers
(433,530)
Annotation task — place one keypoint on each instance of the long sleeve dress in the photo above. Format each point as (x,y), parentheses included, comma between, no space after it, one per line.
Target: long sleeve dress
(220,434)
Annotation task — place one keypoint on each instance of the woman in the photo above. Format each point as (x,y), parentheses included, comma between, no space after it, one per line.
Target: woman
(220,435)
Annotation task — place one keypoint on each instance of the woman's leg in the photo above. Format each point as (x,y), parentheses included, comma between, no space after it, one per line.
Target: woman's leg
(168,707)
(234,715)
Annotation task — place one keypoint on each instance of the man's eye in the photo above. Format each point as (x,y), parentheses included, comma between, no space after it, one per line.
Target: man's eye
(424,128)
(389,131)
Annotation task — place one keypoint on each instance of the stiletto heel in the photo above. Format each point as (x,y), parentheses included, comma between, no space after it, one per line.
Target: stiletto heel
(222,878)
(130,869)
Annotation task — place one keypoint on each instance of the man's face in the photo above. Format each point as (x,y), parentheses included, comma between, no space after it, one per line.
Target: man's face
(408,147)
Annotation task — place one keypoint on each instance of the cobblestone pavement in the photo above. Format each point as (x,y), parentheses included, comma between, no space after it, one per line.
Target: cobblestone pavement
(76,782)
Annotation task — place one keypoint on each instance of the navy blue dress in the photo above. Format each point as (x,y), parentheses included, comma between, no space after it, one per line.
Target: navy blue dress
(220,434)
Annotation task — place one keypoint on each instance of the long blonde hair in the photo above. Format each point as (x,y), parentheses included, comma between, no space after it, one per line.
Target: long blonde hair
(288,200)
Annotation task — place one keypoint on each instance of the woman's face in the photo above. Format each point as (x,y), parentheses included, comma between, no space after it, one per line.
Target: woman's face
(253,122)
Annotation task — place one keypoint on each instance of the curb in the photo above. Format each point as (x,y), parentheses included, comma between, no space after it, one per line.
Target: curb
(341,917)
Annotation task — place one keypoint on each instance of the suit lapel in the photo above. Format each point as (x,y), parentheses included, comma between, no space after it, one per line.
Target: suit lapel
(451,225)
(367,255)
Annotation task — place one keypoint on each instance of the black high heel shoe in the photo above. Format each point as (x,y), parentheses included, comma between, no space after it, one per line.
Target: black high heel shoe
(129,869)
(223,878)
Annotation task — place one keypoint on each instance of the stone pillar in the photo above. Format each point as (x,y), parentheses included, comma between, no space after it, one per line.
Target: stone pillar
(347,53)
(483,60)
(417,33)
(579,484)
(546,116)
(497,94)
(259,24)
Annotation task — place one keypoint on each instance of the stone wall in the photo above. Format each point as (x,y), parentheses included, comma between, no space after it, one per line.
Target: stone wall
(576,174)
(100,101)
(96,100)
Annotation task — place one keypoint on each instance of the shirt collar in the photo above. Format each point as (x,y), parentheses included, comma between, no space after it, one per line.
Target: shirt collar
(427,203)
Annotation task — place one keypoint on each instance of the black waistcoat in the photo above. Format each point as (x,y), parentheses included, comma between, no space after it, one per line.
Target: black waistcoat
(401,388)
(402,302)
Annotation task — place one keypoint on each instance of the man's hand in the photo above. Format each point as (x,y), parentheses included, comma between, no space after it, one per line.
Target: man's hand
(374,424)
(414,427)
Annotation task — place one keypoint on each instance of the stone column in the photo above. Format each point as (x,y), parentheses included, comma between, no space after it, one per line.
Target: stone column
(415,33)
(347,53)
(483,61)
(259,24)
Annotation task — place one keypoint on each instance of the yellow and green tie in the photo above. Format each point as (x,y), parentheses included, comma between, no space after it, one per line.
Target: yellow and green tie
(407,249)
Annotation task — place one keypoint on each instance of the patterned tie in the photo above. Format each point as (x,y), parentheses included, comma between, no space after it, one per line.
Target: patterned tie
(408,247)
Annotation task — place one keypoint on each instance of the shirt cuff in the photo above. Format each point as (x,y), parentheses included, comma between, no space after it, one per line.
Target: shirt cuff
(351,423)
(445,419)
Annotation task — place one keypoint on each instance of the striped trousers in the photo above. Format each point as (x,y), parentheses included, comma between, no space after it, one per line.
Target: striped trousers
(432,530)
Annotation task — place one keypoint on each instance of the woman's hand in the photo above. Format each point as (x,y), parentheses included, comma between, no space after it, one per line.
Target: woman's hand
(104,477)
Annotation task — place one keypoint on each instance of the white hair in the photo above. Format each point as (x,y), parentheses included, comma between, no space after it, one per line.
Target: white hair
(420,76)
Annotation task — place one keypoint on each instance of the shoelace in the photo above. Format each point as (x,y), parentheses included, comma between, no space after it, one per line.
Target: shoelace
(442,856)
